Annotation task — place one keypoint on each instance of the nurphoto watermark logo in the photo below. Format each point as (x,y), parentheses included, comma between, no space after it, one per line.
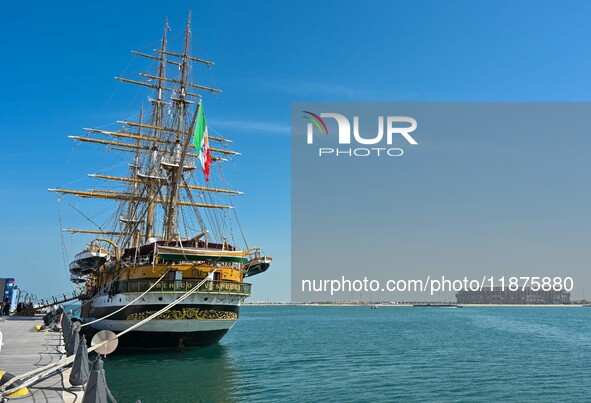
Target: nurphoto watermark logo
(390,129)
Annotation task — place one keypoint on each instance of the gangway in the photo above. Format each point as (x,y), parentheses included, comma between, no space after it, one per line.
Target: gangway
(30,307)
(57,300)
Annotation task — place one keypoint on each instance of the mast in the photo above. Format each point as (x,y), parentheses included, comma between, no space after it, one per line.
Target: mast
(171,215)
(157,108)
(130,222)
(162,188)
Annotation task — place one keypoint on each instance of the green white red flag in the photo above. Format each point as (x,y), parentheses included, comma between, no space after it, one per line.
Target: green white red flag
(201,142)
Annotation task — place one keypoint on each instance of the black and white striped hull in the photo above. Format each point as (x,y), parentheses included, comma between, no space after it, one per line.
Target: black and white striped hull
(199,320)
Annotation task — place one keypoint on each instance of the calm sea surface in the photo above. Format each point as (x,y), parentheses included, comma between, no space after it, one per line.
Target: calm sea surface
(350,354)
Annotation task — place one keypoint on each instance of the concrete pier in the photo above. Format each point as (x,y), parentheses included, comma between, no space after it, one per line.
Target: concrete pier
(25,349)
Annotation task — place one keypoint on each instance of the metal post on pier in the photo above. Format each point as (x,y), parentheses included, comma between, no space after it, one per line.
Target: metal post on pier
(66,331)
(96,389)
(73,343)
(81,368)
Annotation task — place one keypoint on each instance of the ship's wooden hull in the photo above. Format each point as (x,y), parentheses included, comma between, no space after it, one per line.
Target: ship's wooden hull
(200,320)
(167,340)
(168,334)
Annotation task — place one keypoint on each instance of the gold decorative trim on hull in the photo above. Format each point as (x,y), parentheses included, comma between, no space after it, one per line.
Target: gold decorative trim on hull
(187,314)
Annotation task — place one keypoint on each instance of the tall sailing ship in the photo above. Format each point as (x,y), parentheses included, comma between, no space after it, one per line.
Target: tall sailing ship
(171,230)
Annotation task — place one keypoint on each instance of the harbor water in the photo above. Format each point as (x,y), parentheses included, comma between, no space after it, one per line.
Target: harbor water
(342,354)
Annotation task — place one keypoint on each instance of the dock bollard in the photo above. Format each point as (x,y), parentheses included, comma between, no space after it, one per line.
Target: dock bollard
(65,321)
(68,341)
(81,367)
(66,325)
(96,388)
(67,335)
(5,377)
(72,347)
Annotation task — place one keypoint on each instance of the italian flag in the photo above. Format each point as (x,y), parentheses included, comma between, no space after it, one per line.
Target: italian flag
(201,142)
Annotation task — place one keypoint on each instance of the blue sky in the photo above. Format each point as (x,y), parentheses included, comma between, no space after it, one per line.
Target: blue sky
(59,60)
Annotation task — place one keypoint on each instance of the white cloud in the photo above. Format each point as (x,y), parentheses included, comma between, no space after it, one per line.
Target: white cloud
(326,91)
(249,126)
(318,88)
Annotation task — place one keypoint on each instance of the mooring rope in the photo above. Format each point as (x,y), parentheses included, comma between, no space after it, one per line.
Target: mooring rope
(131,303)
(109,394)
(166,308)
(40,373)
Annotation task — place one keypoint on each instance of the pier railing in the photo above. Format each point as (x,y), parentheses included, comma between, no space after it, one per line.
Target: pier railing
(224,287)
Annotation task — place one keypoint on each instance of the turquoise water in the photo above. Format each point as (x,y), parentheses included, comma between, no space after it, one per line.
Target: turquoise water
(342,354)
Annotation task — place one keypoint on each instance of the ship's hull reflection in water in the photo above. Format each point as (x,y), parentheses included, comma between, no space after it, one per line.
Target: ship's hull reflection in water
(197,374)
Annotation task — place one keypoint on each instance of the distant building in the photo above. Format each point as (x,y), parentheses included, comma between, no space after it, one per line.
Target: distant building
(521,296)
